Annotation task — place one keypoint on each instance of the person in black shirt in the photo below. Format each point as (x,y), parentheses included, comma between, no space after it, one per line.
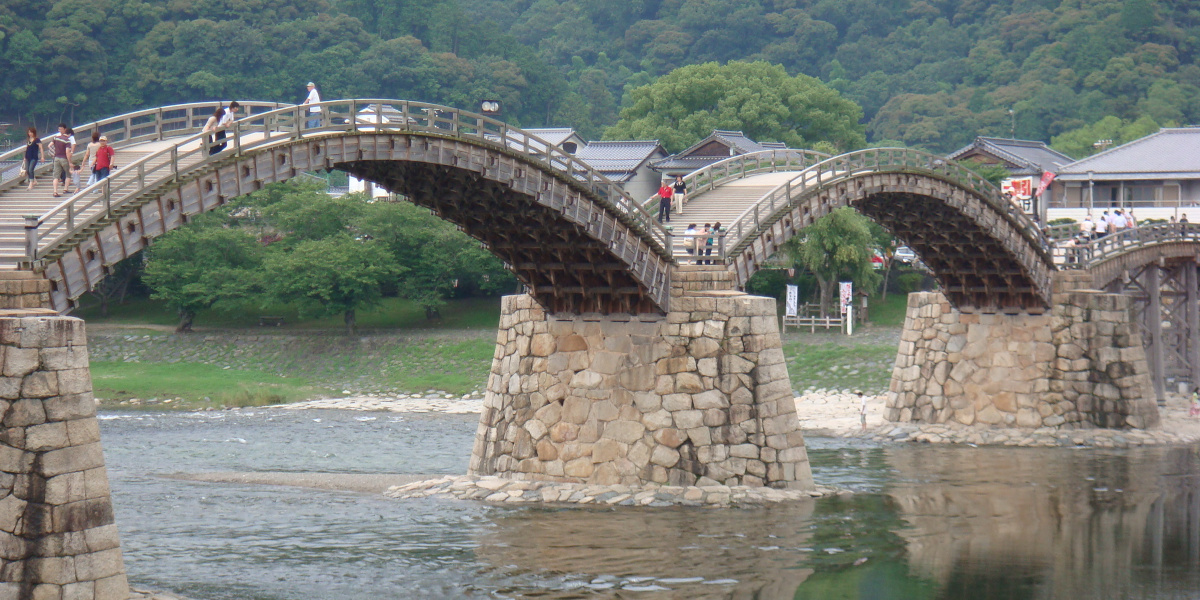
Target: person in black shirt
(33,155)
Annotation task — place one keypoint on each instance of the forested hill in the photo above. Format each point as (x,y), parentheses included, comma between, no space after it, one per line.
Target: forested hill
(928,73)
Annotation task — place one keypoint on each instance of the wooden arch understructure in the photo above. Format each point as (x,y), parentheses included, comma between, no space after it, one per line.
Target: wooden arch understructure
(987,255)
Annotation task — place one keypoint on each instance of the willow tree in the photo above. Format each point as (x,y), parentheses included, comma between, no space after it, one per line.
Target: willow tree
(838,246)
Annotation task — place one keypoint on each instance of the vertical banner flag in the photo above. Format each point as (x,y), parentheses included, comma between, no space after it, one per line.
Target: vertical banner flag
(793,295)
(1047,179)
(847,290)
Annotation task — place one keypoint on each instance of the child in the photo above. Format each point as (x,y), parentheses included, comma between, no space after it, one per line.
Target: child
(1195,410)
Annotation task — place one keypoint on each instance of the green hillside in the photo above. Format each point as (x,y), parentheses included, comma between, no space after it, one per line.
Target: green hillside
(928,73)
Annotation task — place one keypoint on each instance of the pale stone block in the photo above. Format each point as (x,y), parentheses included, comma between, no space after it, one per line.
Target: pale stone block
(11,511)
(588,380)
(688,419)
(580,467)
(47,436)
(710,399)
(10,387)
(39,384)
(536,428)
(76,458)
(700,436)
(657,420)
(105,537)
(664,456)
(688,383)
(576,410)
(46,591)
(25,412)
(624,431)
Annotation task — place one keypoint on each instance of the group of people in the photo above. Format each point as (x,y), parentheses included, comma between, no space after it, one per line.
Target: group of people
(671,195)
(99,157)
(1108,224)
(700,241)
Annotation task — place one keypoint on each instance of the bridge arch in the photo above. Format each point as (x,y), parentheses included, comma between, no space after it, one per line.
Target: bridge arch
(1112,258)
(578,241)
(987,256)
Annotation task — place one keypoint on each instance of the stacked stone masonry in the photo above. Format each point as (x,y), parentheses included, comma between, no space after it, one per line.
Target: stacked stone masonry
(23,290)
(58,540)
(700,396)
(1080,365)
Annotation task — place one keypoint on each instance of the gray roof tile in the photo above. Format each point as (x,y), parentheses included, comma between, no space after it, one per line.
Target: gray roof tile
(1170,153)
(1028,157)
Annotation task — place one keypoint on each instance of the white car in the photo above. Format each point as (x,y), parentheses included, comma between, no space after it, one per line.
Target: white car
(905,255)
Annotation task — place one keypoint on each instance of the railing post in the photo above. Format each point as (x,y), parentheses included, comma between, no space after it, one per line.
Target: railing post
(721,247)
(108,197)
(237,138)
(71,215)
(31,237)
(175,163)
(142,172)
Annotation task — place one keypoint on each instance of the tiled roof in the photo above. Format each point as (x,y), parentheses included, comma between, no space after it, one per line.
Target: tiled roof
(1027,157)
(1169,154)
(691,163)
(737,142)
(618,158)
(554,135)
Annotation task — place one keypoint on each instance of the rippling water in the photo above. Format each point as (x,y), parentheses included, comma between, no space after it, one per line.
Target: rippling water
(927,522)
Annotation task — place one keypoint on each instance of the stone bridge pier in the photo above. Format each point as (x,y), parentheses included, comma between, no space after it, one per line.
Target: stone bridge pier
(1080,364)
(698,396)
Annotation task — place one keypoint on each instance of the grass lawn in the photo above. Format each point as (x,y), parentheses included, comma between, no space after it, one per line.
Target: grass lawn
(392,313)
(867,367)
(890,312)
(197,385)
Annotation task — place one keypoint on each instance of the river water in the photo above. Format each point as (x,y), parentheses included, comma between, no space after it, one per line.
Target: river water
(925,522)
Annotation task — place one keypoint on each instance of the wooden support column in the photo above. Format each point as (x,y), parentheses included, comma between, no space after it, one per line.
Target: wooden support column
(1193,320)
(1154,319)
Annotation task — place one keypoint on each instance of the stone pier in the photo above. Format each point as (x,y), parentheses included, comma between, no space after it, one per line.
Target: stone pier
(699,396)
(1080,365)
(58,539)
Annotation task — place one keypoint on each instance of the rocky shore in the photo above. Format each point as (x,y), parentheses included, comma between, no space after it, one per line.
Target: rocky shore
(513,491)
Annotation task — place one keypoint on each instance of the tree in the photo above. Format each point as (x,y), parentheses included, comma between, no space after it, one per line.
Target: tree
(758,98)
(1082,142)
(202,266)
(839,245)
(338,274)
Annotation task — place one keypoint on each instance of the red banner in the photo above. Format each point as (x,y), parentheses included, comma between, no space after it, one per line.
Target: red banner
(1047,179)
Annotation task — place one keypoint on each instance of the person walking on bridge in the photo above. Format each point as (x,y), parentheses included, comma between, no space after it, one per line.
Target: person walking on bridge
(33,155)
(680,189)
(314,110)
(664,202)
(62,148)
(105,156)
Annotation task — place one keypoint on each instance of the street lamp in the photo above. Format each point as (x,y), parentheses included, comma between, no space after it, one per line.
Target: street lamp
(1091,190)
(1012,131)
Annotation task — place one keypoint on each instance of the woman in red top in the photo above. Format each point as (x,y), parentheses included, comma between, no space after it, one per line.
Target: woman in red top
(664,203)
(104,158)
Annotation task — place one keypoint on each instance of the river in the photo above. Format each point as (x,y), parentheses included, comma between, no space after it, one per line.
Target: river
(924,522)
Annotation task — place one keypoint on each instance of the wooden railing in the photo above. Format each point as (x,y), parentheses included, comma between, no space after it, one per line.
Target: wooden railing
(1073,254)
(154,124)
(757,218)
(190,153)
(742,166)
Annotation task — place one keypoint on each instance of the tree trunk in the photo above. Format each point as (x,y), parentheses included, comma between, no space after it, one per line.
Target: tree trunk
(103,304)
(887,274)
(185,321)
(351,322)
(827,288)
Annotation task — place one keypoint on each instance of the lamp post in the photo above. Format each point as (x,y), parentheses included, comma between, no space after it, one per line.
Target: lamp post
(1091,190)
(1012,130)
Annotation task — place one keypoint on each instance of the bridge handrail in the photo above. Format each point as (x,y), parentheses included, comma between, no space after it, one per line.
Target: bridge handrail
(1087,255)
(44,232)
(737,167)
(753,221)
(137,126)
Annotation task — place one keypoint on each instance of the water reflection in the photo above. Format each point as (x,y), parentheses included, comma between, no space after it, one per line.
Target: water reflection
(927,522)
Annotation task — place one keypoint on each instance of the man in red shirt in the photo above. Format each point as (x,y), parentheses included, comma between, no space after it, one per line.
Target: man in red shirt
(104,158)
(664,202)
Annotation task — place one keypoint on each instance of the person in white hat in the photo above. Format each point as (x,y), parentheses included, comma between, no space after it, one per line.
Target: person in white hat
(314,98)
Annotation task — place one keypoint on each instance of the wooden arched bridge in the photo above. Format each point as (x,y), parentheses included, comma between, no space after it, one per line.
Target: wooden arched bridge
(576,239)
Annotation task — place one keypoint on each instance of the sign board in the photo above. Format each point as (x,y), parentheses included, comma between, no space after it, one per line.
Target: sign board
(847,295)
(791,309)
(1021,188)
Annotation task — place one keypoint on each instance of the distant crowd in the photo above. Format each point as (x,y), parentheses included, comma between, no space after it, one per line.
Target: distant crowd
(1110,223)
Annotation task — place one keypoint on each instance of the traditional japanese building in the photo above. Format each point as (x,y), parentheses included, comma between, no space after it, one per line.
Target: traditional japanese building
(718,146)
(627,163)
(1026,161)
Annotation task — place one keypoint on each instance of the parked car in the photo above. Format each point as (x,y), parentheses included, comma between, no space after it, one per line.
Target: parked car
(877,259)
(905,255)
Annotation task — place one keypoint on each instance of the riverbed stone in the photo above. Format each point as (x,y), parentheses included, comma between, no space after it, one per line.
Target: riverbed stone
(685,387)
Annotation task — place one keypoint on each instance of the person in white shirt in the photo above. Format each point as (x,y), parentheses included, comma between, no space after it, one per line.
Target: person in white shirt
(314,98)
(226,120)
(1087,227)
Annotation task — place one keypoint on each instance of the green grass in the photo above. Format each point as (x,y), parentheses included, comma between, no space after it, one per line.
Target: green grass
(392,313)
(890,312)
(867,367)
(197,385)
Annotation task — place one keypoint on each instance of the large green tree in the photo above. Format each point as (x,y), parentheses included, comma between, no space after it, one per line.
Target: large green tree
(757,98)
(202,266)
(838,246)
